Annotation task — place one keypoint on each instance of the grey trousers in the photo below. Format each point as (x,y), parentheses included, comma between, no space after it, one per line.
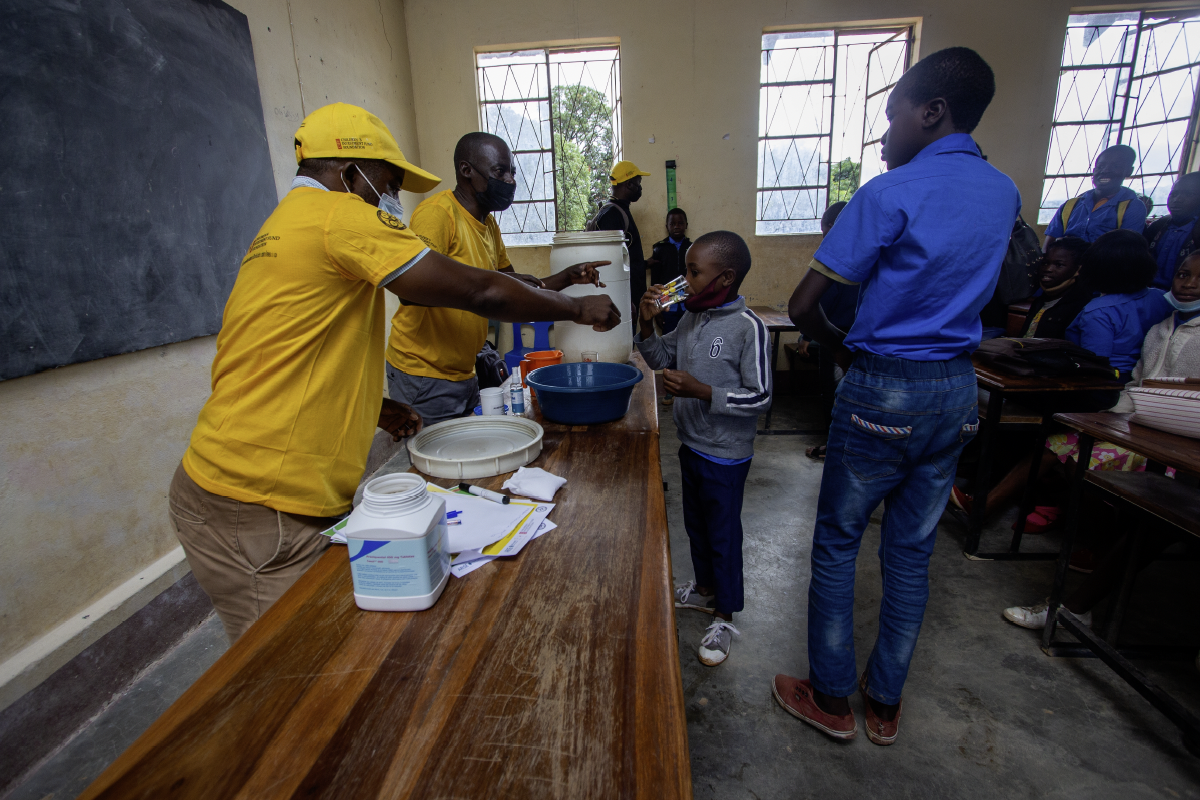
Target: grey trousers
(436,400)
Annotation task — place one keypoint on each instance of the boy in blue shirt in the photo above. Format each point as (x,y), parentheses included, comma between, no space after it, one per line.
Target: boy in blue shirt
(1105,207)
(925,242)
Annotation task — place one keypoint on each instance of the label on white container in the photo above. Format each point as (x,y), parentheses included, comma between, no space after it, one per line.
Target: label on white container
(399,567)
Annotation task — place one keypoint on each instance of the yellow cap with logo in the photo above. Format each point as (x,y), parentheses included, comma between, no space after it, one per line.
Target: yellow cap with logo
(340,130)
(623,171)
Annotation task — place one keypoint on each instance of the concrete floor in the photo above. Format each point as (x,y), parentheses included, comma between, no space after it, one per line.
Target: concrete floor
(69,771)
(986,713)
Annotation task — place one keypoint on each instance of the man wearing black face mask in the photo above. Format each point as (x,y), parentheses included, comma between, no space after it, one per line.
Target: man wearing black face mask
(626,180)
(431,351)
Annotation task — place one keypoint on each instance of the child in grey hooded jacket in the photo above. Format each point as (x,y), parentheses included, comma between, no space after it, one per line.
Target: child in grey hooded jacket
(717,364)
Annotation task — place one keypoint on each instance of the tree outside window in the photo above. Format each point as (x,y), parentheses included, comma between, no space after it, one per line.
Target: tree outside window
(560,112)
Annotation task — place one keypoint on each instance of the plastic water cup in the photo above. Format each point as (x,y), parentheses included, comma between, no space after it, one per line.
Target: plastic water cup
(492,401)
(588,356)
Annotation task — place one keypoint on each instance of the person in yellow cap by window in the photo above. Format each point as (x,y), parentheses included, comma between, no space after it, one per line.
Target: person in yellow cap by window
(297,385)
(626,180)
(431,351)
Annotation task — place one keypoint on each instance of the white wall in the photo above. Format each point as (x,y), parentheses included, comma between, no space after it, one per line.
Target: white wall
(87,451)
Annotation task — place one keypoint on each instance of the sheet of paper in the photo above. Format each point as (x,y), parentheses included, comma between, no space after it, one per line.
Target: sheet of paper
(461,568)
(474,523)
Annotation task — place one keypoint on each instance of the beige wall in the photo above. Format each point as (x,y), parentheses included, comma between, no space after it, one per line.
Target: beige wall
(87,451)
(690,74)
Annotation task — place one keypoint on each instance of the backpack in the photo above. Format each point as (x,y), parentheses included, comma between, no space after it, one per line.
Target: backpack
(1018,273)
(1044,358)
(593,224)
(490,367)
(1064,211)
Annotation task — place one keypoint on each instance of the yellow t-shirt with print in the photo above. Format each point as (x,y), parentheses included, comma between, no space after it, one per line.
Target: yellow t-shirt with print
(442,342)
(297,379)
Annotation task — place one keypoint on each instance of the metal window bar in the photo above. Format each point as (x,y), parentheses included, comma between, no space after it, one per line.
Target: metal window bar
(1124,104)
(827,151)
(549,76)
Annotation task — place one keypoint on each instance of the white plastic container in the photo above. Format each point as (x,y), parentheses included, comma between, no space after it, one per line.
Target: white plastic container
(575,247)
(396,539)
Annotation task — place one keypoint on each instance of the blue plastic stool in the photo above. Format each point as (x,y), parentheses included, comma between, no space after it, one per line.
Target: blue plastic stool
(541,341)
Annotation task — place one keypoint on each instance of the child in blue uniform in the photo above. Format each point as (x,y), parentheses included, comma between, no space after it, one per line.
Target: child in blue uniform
(925,242)
(1120,267)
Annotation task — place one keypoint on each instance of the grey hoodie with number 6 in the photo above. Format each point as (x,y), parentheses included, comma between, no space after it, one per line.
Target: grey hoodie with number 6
(728,349)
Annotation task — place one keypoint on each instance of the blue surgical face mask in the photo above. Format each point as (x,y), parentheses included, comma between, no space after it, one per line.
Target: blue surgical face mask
(1186,308)
(387,203)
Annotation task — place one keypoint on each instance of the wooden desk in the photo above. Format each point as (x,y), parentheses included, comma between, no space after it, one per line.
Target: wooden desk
(1174,501)
(778,322)
(551,674)
(999,385)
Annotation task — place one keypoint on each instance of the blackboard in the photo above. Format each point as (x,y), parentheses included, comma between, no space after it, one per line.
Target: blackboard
(134,175)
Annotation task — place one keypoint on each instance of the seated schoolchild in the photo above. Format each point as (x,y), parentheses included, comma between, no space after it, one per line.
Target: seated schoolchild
(1118,266)
(716,365)
(1173,237)
(1172,349)
(1107,206)
(1061,295)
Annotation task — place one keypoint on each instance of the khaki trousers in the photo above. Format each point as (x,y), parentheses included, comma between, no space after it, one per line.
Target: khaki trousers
(245,556)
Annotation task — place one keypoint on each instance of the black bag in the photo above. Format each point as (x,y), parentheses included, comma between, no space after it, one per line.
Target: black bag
(1018,274)
(490,367)
(1044,358)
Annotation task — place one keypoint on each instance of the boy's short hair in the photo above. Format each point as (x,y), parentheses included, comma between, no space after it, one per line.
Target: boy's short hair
(831,214)
(958,75)
(1073,245)
(1126,154)
(677,210)
(731,250)
(1119,262)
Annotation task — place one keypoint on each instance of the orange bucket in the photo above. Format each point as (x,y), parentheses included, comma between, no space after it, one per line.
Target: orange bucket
(539,358)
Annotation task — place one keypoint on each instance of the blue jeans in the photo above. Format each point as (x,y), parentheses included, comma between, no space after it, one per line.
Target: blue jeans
(898,429)
(712,515)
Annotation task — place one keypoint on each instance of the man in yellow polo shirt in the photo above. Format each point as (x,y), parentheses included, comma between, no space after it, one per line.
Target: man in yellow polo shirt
(297,390)
(431,351)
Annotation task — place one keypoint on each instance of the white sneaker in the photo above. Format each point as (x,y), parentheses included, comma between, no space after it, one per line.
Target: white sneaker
(714,647)
(686,597)
(1034,617)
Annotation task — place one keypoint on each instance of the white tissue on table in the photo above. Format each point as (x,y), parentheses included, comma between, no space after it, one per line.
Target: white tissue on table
(534,482)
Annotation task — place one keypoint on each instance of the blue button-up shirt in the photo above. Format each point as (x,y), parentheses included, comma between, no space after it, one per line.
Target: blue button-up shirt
(925,241)
(1090,225)
(1115,325)
(1166,252)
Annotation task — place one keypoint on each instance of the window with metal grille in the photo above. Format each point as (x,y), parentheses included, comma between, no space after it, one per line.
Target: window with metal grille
(822,97)
(1126,78)
(560,111)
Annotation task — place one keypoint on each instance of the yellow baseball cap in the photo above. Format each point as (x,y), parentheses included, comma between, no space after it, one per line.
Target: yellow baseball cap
(340,130)
(623,171)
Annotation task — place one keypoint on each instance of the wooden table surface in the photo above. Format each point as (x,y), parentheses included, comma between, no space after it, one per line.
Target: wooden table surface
(1170,449)
(551,674)
(993,379)
(774,320)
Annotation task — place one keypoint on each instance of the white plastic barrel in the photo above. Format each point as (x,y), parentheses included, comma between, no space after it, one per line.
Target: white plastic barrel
(575,247)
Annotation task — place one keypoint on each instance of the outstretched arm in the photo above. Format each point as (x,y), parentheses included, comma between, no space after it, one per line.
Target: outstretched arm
(436,280)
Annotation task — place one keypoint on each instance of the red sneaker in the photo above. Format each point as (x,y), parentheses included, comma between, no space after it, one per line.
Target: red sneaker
(879,731)
(796,697)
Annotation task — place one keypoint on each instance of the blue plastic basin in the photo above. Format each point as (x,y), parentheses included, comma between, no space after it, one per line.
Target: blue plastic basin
(584,393)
